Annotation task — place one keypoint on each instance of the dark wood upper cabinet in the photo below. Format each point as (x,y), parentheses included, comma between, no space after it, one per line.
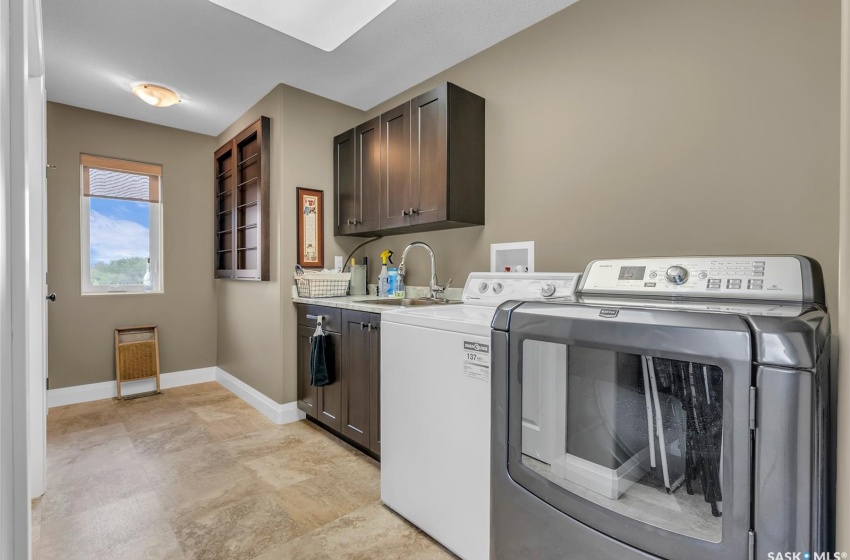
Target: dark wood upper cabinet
(447,140)
(357,180)
(242,204)
(344,188)
(431,165)
(367,174)
(395,167)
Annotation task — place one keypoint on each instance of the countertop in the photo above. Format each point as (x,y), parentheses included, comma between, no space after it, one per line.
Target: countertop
(356,302)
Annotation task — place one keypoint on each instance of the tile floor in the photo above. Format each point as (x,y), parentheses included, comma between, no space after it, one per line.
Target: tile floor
(198,474)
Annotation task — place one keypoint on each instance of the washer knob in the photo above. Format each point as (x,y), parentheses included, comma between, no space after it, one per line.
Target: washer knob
(482,287)
(677,275)
(498,287)
(547,289)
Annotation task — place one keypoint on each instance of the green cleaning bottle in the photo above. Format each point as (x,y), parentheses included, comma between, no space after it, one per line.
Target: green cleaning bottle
(384,276)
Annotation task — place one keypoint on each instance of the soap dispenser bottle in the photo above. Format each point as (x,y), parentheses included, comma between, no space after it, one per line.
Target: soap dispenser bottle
(384,276)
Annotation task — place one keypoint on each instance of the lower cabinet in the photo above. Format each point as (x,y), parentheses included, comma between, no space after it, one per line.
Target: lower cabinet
(361,383)
(322,403)
(349,404)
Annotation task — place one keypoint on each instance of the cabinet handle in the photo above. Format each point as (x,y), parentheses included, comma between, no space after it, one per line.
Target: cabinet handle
(362,326)
(413,211)
(405,213)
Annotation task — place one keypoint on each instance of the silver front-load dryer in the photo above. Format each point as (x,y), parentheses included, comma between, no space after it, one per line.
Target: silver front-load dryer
(677,408)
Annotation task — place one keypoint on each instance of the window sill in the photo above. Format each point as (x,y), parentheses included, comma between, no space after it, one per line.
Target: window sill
(117,293)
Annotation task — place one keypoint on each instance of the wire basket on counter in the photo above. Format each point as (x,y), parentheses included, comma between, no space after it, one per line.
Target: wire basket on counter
(322,284)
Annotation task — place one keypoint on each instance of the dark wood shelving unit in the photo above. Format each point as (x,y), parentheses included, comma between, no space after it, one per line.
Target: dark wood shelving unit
(242,204)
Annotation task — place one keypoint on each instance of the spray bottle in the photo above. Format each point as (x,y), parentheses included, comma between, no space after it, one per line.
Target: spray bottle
(383,277)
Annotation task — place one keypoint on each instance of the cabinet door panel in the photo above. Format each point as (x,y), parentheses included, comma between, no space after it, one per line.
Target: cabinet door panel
(346,197)
(251,196)
(224,188)
(395,167)
(367,174)
(375,385)
(330,396)
(428,156)
(357,384)
(308,396)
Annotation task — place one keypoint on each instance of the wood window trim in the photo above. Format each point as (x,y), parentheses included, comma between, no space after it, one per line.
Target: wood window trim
(153,171)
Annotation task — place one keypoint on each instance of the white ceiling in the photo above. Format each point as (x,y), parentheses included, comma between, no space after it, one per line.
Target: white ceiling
(222,63)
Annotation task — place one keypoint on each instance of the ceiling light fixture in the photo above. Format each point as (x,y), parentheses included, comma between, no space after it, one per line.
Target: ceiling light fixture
(157,96)
(325,24)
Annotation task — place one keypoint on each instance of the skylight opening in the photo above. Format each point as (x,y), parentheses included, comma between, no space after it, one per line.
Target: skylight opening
(325,24)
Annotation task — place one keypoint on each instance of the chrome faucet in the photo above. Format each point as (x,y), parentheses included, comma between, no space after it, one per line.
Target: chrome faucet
(435,288)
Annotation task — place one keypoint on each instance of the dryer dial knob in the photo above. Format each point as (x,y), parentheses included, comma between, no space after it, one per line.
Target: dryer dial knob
(677,275)
(482,287)
(547,289)
(498,287)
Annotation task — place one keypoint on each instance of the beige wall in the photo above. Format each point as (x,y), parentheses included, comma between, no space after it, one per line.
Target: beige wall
(248,312)
(81,327)
(660,127)
(256,320)
(619,128)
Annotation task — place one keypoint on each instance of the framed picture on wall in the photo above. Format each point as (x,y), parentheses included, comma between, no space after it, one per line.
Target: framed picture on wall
(311,226)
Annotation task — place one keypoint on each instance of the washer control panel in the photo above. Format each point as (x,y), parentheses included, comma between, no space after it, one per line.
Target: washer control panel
(491,289)
(759,277)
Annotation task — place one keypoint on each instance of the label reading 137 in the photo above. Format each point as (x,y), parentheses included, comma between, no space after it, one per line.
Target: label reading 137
(476,360)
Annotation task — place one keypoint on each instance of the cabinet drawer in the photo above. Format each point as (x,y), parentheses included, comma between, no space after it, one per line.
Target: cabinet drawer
(332,316)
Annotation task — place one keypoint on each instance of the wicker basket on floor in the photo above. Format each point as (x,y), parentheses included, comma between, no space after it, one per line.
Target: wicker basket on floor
(136,354)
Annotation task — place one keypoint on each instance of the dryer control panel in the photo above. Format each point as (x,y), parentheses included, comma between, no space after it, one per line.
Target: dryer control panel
(750,277)
(491,289)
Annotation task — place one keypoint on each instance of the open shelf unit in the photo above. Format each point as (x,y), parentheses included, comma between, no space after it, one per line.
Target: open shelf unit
(242,205)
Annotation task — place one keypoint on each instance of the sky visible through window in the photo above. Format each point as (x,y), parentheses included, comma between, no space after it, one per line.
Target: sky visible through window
(119,241)
(120,229)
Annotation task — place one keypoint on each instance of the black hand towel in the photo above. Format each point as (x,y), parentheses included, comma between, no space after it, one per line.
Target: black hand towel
(319,375)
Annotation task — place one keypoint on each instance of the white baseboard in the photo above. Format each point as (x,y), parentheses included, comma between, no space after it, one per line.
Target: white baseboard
(276,412)
(108,389)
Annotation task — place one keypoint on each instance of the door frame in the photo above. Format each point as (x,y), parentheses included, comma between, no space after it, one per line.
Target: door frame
(36,196)
(843,324)
(20,55)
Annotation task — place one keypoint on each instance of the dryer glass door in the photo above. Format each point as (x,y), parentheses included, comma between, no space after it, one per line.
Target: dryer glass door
(638,435)
(635,424)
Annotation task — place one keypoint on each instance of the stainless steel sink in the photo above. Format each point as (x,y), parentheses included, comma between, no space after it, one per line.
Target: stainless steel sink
(409,302)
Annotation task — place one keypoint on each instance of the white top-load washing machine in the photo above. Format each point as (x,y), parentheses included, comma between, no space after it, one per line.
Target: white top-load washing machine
(435,407)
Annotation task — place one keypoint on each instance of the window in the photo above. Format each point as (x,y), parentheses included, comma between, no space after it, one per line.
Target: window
(121,225)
